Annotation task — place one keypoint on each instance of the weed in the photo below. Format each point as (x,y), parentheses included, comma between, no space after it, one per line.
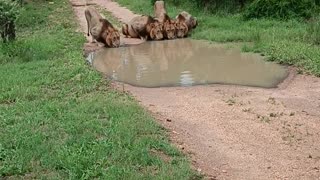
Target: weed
(248,110)
(264,119)
(313,31)
(231,102)
(59,120)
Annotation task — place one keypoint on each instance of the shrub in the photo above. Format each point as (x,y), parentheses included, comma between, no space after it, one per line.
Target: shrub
(229,5)
(313,31)
(280,9)
(213,6)
(8,14)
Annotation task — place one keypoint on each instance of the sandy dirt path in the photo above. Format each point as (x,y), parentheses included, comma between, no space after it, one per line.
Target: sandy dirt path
(122,14)
(234,132)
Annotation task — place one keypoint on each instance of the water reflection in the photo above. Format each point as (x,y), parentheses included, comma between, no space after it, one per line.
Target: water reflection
(186,62)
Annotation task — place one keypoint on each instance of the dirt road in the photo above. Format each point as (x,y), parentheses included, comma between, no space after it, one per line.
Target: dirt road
(234,132)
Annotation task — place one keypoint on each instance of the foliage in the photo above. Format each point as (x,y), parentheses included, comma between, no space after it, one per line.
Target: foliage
(60,120)
(280,9)
(152,2)
(8,14)
(314,31)
(213,5)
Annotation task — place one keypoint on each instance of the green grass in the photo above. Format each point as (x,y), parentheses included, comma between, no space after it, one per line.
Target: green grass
(60,120)
(286,42)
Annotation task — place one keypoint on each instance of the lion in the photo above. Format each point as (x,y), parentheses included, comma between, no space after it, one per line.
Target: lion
(169,27)
(160,11)
(169,30)
(181,26)
(191,21)
(101,29)
(144,27)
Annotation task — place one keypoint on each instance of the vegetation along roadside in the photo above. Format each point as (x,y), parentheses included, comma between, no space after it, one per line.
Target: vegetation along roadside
(287,32)
(59,119)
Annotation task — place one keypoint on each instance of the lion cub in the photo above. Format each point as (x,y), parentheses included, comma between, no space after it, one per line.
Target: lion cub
(101,29)
(144,27)
(169,25)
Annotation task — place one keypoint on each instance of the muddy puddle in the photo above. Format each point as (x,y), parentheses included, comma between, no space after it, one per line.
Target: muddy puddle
(186,62)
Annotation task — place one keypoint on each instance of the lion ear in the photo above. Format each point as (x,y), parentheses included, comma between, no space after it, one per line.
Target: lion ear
(181,18)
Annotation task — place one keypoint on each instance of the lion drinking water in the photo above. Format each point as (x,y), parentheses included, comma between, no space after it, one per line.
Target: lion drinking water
(190,21)
(169,25)
(101,29)
(144,27)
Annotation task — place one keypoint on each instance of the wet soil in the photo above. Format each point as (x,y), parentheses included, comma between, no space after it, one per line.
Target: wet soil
(234,132)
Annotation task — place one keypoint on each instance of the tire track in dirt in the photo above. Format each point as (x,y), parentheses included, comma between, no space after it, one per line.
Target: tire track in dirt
(234,132)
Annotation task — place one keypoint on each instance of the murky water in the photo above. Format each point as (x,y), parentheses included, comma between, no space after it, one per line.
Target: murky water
(186,62)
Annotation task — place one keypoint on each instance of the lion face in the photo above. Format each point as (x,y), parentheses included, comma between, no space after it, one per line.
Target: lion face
(113,39)
(169,29)
(155,30)
(181,29)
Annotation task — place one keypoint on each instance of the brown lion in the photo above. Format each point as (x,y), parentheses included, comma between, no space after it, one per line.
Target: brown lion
(181,26)
(144,27)
(101,29)
(191,21)
(169,29)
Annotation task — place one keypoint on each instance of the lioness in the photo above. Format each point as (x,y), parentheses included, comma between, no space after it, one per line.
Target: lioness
(191,21)
(101,29)
(144,27)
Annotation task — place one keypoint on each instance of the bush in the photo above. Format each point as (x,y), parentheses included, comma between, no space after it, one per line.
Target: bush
(313,31)
(212,6)
(229,5)
(280,9)
(8,14)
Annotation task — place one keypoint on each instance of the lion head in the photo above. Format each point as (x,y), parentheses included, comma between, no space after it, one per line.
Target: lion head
(169,29)
(155,30)
(181,29)
(113,38)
